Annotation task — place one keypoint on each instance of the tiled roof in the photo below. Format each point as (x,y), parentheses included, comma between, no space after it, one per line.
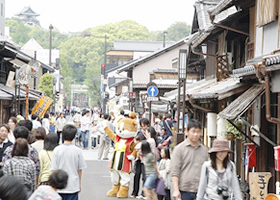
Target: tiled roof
(223,4)
(140,46)
(134,63)
(202,15)
(172,70)
(27,11)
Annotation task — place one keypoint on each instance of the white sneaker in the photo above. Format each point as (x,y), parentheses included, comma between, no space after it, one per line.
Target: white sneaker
(139,197)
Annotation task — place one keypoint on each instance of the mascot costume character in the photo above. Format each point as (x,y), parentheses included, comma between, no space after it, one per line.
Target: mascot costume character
(120,165)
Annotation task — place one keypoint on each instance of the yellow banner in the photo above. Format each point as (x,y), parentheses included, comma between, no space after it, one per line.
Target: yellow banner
(42,106)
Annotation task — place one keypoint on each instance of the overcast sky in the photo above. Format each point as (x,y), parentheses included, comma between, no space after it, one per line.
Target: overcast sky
(77,15)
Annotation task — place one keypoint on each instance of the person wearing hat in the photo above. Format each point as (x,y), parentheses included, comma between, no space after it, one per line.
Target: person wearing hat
(187,159)
(218,179)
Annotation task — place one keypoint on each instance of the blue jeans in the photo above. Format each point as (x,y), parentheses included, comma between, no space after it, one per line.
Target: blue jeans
(188,195)
(72,196)
(85,135)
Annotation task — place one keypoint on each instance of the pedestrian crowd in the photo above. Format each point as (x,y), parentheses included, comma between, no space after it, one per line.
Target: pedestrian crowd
(47,160)
(39,160)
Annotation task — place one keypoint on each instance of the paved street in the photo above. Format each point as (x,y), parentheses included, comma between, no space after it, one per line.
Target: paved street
(96,178)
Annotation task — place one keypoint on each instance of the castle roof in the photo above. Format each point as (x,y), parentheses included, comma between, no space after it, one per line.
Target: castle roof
(27,11)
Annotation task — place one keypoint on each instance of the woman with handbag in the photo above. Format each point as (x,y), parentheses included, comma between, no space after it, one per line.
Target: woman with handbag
(21,167)
(45,157)
(151,171)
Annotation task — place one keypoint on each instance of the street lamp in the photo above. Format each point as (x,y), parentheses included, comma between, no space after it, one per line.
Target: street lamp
(182,74)
(164,35)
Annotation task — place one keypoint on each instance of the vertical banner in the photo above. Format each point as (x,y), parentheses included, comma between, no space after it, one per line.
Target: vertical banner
(42,106)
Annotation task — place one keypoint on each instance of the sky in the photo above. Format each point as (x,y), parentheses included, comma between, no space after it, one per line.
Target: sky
(77,15)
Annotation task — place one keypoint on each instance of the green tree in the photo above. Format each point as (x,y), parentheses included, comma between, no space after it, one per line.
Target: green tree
(67,74)
(18,31)
(21,33)
(46,84)
(85,53)
(178,31)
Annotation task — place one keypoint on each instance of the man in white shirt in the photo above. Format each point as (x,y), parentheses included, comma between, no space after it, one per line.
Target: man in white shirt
(59,124)
(35,122)
(85,125)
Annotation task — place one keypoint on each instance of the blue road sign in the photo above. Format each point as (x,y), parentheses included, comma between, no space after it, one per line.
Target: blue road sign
(152,91)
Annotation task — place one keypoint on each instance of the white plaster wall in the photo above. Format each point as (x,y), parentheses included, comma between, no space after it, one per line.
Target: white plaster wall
(140,54)
(164,61)
(112,90)
(270,37)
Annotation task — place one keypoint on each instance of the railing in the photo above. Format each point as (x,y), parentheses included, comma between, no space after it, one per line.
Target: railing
(250,50)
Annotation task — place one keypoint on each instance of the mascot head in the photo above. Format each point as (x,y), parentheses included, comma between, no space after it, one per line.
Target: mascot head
(126,128)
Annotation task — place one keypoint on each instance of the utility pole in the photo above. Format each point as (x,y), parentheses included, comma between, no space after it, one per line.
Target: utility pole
(50,55)
(105,75)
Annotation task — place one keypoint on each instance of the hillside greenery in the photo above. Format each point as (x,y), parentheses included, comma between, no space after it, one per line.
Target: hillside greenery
(82,55)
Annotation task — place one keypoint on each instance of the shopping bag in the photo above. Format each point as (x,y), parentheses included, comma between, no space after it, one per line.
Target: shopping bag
(160,187)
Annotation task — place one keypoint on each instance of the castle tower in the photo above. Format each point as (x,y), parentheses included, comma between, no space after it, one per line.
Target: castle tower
(28,16)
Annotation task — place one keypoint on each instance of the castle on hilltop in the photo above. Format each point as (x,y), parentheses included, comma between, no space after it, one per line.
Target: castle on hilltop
(28,16)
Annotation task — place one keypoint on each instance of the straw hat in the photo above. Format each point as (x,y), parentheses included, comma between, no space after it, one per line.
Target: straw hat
(220,145)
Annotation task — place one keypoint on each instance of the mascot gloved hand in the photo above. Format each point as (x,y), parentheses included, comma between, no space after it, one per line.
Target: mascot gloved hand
(120,165)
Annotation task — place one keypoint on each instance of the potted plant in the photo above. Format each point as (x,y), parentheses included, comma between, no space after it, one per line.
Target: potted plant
(232,132)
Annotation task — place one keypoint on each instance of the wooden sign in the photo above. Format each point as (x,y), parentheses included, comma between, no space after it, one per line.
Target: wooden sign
(42,106)
(258,182)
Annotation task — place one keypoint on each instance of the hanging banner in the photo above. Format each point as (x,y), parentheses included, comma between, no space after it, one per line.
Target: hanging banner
(42,106)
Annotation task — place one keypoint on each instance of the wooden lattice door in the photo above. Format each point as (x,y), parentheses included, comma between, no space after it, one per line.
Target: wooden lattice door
(222,68)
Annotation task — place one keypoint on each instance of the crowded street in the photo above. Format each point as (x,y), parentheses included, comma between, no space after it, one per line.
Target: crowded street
(152,100)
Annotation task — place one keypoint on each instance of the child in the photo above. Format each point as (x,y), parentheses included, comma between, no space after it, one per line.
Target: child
(70,158)
(137,167)
(151,171)
(164,170)
(58,180)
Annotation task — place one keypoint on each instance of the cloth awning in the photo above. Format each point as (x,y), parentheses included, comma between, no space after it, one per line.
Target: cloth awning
(242,103)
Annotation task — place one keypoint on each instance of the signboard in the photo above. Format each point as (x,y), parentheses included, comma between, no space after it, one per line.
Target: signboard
(258,182)
(131,95)
(152,91)
(42,106)
(152,98)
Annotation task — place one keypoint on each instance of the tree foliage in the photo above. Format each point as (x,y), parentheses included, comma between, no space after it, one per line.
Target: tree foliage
(178,31)
(85,53)
(21,33)
(81,56)
(46,84)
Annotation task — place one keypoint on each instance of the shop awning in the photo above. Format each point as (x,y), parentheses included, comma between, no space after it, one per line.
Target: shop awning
(219,89)
(8,93)
(242,103)
(5,96)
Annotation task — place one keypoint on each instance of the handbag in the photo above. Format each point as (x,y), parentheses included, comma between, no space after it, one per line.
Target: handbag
(160,187)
